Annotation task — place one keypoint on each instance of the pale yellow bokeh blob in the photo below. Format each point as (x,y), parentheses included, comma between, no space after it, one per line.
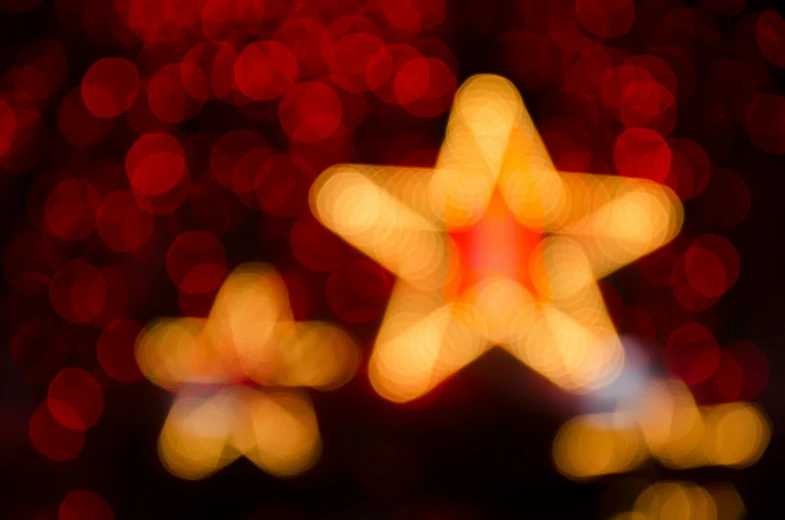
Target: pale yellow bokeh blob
(739,434)
(552,317)
(672,425)
(249,341)
(590,446)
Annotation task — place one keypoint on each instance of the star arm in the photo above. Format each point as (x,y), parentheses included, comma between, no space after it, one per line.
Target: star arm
(617,220)
(195,440)
(172,352)
(278,432)
(349,200)
(572,340)
(485,111)
(421,343)
(316,355)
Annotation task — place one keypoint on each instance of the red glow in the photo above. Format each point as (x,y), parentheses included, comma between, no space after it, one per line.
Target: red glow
(85,505)
(196,262)
(122,224)
(75,399)
(110,86)
(70,209)
(770,36)
(496,245)
(115,350)
(51,438)
(642,153)
(691,353)
(265,70)
(310,112)
(155,164)
(78,291)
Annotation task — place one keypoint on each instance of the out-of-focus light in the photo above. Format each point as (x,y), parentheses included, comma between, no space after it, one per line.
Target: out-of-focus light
(676,500)
(662,422)
(249,340)
(591,445)
(494,246)
(84,505)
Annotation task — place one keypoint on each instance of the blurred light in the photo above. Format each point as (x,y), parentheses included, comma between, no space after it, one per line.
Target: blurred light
(494,246)
(248,340)
(661,421)
(676,500)
(84,505)
(110,86)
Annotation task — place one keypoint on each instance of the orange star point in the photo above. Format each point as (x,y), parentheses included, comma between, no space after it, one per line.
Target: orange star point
(494,247)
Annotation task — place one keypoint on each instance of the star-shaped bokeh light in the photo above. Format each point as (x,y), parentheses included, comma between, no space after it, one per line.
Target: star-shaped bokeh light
(494,246)
(661,421)
(217,366)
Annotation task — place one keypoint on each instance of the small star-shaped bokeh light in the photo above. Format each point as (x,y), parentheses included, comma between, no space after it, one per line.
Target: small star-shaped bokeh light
(494,246)
(217,365)
(662,421)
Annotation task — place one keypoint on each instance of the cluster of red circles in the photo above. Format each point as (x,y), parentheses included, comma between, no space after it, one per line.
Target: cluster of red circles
(310,74)
(313,73)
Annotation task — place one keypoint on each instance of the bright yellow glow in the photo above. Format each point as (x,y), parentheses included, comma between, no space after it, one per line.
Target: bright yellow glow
(248,340)
(663,423)
(494,247)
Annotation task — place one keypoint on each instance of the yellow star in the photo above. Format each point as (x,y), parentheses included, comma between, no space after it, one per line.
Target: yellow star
(216,365)
(662,422)
(494,247)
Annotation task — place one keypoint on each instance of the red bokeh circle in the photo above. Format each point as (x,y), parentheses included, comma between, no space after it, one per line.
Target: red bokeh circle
(265,70)
(52,439)
(196,262)
(109,87)
(85,505)
(642,153)
(155,164)
(692,353)
(310,112)
(115,350)
(122,224)
(70,209)
(75,399)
